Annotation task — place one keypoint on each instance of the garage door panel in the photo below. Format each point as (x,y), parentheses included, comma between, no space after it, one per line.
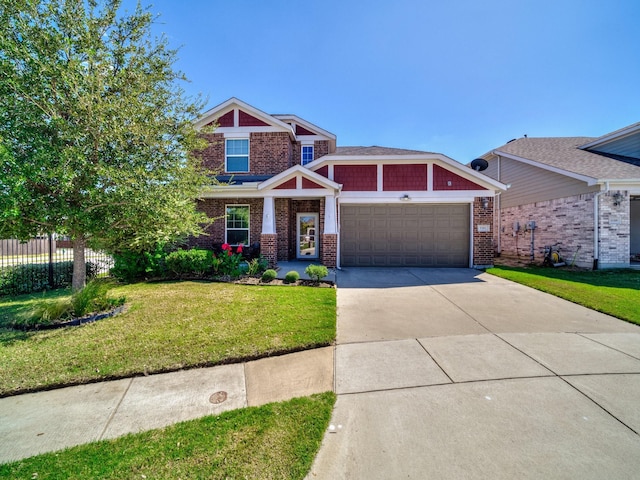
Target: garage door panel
(405,235)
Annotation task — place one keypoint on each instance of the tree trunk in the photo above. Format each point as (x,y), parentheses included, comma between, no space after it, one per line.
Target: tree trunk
(79,267)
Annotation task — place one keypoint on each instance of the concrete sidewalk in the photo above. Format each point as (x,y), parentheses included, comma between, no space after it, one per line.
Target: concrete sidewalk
(445,374)
(47,421)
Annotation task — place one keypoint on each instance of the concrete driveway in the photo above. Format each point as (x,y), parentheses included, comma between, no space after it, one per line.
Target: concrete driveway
(454,373)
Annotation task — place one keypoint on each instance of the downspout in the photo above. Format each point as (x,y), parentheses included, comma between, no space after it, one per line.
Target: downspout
(596,225)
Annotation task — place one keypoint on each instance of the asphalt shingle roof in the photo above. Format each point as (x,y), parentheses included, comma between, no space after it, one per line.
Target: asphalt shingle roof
(375,150)
(563,153)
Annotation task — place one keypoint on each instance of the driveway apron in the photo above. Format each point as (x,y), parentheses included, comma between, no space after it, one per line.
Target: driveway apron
(455,373)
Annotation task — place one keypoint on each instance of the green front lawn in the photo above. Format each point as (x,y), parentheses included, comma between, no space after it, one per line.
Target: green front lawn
(279,440)
(167,326)
(614,292)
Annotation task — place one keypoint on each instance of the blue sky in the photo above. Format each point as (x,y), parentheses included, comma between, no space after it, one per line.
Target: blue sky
(458,77)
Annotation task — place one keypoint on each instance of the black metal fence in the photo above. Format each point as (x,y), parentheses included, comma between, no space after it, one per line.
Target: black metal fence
(42,263)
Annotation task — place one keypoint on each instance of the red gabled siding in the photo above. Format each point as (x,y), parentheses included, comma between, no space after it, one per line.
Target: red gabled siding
(306,183)
(442,177)
(226,120)
(404,177)
(324,171)
(303,131)
(361,178)
(246,120)
(288,185)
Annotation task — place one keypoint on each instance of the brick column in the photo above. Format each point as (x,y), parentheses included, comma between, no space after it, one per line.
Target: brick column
(269,248)
(329,250)
(483,241)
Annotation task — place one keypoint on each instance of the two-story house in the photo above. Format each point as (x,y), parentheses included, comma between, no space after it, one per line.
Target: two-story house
(289,187)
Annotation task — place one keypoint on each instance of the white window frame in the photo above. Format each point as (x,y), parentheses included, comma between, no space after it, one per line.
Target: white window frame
(227,155)
(226,224)
(302,162)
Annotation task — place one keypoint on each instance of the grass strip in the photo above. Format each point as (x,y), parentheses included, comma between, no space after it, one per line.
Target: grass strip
(167,326)
(278,440)
(614,292)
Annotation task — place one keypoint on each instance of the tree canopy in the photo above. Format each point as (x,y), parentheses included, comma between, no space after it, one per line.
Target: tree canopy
(96,133)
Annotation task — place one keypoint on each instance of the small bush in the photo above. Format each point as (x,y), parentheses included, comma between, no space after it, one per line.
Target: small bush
(130,266)
(316,272)
(291,277)
(269,275)
(257,265)
(190,262)
(93,298)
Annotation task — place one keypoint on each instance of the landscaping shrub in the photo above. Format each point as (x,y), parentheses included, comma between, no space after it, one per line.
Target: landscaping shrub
(34,277)
(130,266)
(197,262)
(227,262)
(269,275)
(291,277)
(93,298)
(257,265)
(316,272)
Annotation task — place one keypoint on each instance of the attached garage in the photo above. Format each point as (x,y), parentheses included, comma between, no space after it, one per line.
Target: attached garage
(421,235)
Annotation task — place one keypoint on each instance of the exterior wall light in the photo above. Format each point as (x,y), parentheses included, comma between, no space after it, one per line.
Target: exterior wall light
(405,198)
(485,202)
(617,198)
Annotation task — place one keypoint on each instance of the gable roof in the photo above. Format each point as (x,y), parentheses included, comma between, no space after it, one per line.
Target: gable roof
(375,154)
(564,155)
(624,142)
(216,112)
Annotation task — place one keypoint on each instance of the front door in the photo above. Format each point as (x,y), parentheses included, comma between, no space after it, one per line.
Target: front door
(307,227)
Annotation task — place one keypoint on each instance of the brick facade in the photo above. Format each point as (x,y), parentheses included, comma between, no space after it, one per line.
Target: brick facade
(570,221)
(215,208)
(330,250)
(269,248)
(482,241)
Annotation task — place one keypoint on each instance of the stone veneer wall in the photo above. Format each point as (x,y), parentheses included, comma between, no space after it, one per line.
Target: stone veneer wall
(569,221)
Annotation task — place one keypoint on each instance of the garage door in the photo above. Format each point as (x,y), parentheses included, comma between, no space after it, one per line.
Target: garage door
(405,235)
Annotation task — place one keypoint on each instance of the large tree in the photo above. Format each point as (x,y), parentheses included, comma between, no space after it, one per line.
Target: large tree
(95,129)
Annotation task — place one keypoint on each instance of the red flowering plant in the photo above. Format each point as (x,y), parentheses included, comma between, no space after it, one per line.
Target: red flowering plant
(227,262)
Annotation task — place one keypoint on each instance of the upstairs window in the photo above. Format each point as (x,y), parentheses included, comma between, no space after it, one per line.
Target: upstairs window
(237,155)
(307,154)
(237,219)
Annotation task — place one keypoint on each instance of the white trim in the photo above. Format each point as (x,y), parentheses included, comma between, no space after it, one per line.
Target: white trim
(330,218)
(324,134)
(226,156)
(298,170)
(380,178)
(268,216)
(316,215)
(234,102)
(226,228)
(247,130)
(436,159)
(609,137)
(590,181)
(313,152)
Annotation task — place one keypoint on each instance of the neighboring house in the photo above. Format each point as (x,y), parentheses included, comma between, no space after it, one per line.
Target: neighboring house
(289,187)
(583,192)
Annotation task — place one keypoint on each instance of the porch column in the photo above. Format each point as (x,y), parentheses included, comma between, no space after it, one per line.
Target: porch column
(269,238)
(330,233)
(268,216)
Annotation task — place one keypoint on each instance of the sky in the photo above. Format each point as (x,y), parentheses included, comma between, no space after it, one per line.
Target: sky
(457,77)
